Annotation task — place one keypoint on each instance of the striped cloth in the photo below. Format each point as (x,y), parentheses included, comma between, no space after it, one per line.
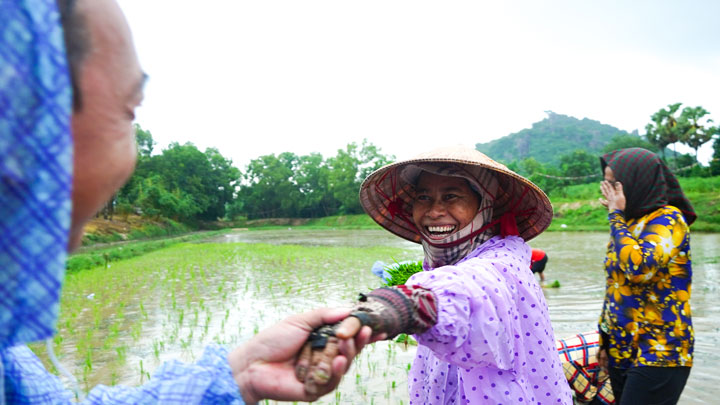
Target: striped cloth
(578,356)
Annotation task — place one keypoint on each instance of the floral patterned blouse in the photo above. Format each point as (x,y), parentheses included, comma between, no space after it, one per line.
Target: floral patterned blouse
(646,313)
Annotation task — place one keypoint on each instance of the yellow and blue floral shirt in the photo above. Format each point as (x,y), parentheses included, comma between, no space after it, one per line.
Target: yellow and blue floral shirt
(646,312)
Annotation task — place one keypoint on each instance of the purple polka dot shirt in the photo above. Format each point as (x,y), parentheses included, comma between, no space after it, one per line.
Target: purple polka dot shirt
(493,342)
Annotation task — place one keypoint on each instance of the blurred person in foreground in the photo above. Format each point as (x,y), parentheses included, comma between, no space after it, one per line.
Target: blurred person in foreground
(646,332)
(69,84)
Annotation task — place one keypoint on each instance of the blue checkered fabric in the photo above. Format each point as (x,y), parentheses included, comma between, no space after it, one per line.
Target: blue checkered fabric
(35,185)
(209,381)
(35,170)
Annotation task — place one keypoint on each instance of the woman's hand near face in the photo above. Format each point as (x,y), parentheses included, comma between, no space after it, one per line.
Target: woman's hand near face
(614,195)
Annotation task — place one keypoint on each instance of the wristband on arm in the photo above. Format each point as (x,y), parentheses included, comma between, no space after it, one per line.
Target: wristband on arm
(399,309)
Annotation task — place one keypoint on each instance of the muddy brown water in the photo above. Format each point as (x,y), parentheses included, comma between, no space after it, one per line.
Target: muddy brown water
(379,374)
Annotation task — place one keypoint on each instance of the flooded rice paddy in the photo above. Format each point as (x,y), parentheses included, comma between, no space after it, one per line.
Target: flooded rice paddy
(119,323)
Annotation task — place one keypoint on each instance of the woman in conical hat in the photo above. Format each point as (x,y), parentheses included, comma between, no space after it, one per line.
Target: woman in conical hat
(477,311)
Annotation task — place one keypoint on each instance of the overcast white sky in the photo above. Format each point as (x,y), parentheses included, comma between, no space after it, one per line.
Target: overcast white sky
(258,77)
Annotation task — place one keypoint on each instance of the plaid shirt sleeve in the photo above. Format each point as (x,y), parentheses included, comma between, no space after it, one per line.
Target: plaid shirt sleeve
(209,381)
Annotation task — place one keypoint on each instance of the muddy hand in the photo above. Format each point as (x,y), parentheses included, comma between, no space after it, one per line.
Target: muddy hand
(314,363)
(348,328)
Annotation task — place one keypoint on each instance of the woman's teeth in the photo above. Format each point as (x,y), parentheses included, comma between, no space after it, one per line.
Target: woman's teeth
(441,229)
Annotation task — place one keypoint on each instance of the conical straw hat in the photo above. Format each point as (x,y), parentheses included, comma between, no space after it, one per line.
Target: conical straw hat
(386,194)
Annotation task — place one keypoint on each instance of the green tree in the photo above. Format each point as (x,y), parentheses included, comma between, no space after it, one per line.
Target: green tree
(628,141)
(664,129)
(145,142)
(155,201)
(128,195)
(548,179)
(696,129)
(270,190)
(371,159)
(715,161)
(208,178)
(224,178)
(349,168)
(345,178)
(313,179)
(530,166)
(581,165)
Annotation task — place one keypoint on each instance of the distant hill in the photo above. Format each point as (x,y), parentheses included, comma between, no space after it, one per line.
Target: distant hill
(551,138)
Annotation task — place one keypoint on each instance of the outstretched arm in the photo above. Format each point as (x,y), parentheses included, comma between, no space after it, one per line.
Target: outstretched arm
(264,367)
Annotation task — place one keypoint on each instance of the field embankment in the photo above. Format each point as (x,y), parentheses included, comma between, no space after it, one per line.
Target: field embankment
(578,207)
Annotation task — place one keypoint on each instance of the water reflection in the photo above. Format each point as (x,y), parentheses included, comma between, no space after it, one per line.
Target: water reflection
(575,260)
(305,237)
(169,304)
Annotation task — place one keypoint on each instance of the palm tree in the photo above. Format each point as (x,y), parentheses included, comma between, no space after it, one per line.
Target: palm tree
(696,134)
(664,129)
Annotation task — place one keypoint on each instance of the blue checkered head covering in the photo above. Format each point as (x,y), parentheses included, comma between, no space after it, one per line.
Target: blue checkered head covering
(35,168)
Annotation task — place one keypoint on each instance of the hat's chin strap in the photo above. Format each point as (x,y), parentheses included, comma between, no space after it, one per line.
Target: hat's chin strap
(508,225)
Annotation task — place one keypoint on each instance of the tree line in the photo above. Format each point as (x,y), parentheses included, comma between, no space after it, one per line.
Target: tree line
(191,186)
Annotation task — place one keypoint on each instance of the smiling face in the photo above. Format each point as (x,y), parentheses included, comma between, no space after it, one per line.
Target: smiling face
(443,205)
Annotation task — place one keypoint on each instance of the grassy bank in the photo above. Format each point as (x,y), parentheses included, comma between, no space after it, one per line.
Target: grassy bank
(131,227)
(359,221)
(578,208)
(105,256)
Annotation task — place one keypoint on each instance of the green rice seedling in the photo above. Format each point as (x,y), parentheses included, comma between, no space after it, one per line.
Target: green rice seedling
(206,326)
(156,348)
(400,274)
(136,331)
(142,371)
(142,311)
(121,353)
(158,290)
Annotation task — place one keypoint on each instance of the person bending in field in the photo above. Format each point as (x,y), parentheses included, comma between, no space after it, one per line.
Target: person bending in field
(538,260)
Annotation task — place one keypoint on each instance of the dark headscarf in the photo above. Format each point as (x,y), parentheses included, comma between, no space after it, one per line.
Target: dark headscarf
(647,182)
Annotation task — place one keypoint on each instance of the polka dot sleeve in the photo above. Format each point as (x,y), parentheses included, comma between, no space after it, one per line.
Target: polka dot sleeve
(477,316)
